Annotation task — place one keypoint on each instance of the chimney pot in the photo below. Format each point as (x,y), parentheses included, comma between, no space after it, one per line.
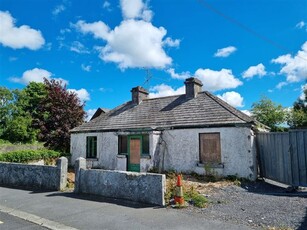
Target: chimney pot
(192,87)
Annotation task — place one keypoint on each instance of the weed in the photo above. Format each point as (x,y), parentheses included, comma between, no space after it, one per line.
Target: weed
(189,192)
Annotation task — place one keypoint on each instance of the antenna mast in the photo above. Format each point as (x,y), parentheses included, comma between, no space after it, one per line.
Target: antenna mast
(147,78)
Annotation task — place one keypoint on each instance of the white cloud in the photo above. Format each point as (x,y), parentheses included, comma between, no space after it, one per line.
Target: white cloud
(90,113)
(82,94)
(135,9)
(171,43)
(106,5)
(98,29)
(165,90)
(78,47)
(217,80)
(86,68)
(247,112)
(36,75)
(13,59)
(295,68)
(133,43)
(183,75)
(58,9)
(303,88)
(18,37)
(301,25)
(232,98)
(258,70)
(225,52)
(281,84)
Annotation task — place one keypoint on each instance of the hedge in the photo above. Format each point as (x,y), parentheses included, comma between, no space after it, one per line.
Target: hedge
(24,156)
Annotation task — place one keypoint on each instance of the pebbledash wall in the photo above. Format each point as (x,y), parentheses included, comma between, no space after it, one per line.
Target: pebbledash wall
(140,187)
(176,149)
(34,176)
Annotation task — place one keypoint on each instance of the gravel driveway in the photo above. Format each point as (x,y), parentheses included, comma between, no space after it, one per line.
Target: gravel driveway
(257,204)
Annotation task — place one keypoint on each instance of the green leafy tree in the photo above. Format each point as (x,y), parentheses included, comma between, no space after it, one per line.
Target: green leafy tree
(59,112)
(270,114)
(298,115)
(20,110)
(19,129)
(6,107)
(29,99)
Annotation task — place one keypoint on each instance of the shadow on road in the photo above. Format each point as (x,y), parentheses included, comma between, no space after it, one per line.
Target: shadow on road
(264,188)
(303,225)
(94,198)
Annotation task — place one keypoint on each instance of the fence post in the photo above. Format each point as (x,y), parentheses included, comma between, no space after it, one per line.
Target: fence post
(62,164)
(80,163)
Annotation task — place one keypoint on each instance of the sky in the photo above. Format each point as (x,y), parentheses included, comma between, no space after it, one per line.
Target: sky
(241,50)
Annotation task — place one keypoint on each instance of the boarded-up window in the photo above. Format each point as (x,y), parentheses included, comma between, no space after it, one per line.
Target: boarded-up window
(91,147)
(210,148)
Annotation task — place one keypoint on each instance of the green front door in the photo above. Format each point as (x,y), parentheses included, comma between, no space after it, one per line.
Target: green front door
(134,153)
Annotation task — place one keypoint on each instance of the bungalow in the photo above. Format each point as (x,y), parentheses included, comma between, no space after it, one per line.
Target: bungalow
(193,132)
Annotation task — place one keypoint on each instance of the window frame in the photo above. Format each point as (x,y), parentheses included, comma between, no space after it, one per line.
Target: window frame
(205,161)
(91,147)
(143,144)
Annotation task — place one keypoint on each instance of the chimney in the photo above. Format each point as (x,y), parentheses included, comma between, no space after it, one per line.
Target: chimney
(138,94)
(192,87)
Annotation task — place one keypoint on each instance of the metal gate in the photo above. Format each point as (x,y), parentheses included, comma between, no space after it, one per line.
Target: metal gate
(283,156)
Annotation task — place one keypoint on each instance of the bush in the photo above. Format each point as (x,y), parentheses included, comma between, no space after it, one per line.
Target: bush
(2,142)
(24,156)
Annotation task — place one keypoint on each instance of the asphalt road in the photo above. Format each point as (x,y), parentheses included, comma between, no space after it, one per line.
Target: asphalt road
(59,210)
(8,222)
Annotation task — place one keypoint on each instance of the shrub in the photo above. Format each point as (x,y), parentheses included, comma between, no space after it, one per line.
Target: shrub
(2,142)
(24,156)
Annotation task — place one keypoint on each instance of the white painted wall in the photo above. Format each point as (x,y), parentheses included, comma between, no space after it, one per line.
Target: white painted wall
(107,149)
(181,151)
(237,151)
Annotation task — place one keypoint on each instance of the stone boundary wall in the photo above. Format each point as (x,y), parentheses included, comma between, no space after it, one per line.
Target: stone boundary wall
(34,176)
(140,187)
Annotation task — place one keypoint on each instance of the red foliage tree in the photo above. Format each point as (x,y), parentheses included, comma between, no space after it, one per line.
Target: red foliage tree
(60,112)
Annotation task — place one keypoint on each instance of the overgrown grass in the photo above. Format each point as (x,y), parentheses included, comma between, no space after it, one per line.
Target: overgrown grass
(25,156)
(189,192)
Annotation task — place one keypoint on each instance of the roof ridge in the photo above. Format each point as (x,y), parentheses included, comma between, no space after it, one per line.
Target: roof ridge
(230,108)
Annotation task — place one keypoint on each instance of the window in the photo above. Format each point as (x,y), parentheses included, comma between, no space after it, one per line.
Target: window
(91,147)
(145,144)
(123,144)
(210,148)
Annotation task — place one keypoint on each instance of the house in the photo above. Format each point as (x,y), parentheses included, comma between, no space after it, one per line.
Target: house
(193,132)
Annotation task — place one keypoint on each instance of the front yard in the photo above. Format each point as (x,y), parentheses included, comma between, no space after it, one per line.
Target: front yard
(259,205)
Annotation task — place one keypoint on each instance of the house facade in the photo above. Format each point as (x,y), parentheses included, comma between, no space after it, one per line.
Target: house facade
(193,132)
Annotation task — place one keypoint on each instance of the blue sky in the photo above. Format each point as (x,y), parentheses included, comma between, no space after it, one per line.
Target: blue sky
(240,50)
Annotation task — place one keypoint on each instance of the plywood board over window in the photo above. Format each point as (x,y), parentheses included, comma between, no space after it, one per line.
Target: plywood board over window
(210,148)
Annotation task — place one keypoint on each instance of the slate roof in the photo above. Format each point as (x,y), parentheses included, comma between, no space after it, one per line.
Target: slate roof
(206,110)
(98,112)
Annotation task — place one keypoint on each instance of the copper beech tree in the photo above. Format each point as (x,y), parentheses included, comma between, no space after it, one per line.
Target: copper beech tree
(59,112)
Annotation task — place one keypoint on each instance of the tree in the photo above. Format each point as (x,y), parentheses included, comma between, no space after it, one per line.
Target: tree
(19,110)
(269,114)
(19,129)
(298,115)
(6,106)
(59,112)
